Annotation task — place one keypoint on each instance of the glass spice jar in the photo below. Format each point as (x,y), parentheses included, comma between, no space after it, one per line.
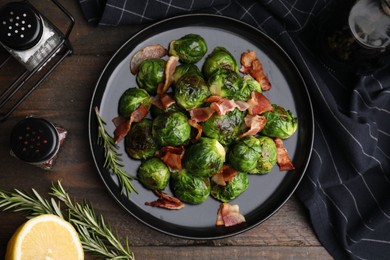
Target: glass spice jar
(26,34)
(37,141)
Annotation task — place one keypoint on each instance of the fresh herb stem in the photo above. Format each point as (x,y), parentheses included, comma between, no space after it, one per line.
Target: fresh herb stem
(113,157)
(95,235)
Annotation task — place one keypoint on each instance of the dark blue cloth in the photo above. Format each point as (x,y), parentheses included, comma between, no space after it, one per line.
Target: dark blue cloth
(346,189)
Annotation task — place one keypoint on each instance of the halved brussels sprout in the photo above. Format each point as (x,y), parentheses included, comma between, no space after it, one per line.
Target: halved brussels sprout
(191,90)
(249,85)
(204,158)
(245,153)
(189,48)
(184,69)
(225,128)
(139,143)
(219,58)
(150,74)
(190,189)
(171,128)
(280,123)
(225,83)
(154,174)
(131,99)
(232,189)
(268,155)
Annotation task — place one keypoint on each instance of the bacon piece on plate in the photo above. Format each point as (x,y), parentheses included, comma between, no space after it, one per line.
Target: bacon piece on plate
(169,70)
(171,156)
(229,215)
(225,174)
(255,123)
(201,114)
(258,104)
(165,201)
(252,65)
(151,51)
(198,127)
(213,98)
(123,128)
(283,159)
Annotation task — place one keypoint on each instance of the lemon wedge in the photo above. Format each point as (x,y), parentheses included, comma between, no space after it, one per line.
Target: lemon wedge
(45,237)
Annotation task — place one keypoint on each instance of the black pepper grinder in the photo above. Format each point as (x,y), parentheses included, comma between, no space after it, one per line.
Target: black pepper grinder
(26,34)
(37,141)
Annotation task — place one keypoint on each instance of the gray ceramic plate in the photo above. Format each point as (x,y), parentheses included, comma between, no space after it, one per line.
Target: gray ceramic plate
(266,193)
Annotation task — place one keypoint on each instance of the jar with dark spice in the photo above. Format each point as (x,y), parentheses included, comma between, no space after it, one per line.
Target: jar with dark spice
(37,141)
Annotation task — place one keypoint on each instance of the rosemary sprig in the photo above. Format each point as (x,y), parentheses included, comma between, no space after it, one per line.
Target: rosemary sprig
(95,235)
(113,157)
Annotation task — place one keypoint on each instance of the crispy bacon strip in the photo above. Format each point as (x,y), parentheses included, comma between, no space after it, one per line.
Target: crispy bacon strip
(283,159)
(201,114)
(225,174)
(255,123)
(258,104)
(151,51)
(165,201)
(171,156)
(198,127)
(123,128)
(252,65)
(229,215)
(169,70)
(213,98)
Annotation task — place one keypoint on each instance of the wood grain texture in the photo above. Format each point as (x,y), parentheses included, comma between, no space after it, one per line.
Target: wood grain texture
(64,99)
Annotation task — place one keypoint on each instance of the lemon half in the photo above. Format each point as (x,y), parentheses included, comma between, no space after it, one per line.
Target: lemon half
(46,237)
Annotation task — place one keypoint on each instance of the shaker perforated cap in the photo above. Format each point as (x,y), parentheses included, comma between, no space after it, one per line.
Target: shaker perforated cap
(34,140)
(21,26)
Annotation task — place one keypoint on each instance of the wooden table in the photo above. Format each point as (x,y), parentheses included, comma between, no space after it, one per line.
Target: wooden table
(64,99)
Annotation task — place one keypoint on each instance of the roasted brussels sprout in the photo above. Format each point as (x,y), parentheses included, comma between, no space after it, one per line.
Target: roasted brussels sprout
(225,128)
(219,58)
(150,74)
(249,85)
(225,83)
(154,174)
(189,48)
(190,189)
(232,189)
(139,143)
(131,99)
(171,128)
(191,90)
(184,69)
(204,158)
(280,123)
(244,154)
(268,155)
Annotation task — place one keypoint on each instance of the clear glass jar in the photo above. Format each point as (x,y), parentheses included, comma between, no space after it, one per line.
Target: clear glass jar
(26,35)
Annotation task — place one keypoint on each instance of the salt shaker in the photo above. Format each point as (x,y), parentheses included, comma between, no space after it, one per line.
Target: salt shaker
(26,34)
(37,141)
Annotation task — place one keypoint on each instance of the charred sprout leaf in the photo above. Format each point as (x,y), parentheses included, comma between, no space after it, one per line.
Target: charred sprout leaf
(249,85)
(131,99)
(184,69)
(95,235)
(113,157)
(280,123)
(232,189)
(150,74)
(244,154)
(171,128)
(139,142)
(154,174)
(219,58)
(225,83)
(191,90)
(268,155)
(190,189)
(204,158)
(190,48)
(225,128)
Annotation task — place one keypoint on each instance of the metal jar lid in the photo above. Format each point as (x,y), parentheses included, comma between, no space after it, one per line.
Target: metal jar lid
(34,140)
(21,26)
